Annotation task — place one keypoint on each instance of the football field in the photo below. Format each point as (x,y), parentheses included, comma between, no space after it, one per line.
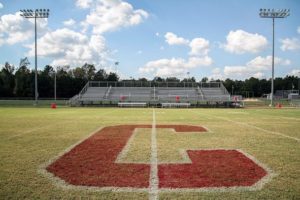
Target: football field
(149,153)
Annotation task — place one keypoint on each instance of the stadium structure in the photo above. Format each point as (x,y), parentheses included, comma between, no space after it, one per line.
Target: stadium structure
(157,94)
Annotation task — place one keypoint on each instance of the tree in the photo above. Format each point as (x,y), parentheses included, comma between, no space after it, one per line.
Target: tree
(46,82)
(252,85)
(79,73)
(230,85)
(172,79)
(8,80)
(89,70)
(100,75)
(204,79)
(158,79)
(112,77)
(142,79)
(23,83)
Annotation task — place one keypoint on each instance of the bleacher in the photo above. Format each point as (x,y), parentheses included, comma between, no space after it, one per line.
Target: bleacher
(137,94)
(164,94)
(94,93)
(215,94)
(172,94)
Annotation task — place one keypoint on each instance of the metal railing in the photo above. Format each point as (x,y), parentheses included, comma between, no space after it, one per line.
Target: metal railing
(154,84)
(84,89)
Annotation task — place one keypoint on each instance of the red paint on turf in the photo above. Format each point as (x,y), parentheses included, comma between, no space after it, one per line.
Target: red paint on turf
(92,163)
(211,168)
(183,128)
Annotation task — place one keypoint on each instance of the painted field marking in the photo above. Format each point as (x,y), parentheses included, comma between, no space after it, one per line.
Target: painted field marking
(260,129)
(257,186)
(290,118)
(252,126)
(239,113)
(153,186)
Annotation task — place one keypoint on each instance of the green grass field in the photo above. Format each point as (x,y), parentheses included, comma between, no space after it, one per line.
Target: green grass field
(32,136)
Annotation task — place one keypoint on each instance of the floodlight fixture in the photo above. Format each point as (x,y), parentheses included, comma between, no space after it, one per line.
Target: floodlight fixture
(273,13)
(38,13)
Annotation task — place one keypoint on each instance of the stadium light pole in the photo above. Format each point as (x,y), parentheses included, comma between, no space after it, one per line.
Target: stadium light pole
(37,13)
(273,13)
(55,72)
(299,83)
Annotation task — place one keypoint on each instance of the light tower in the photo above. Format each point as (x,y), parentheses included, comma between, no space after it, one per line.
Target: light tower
(273,13)
(37,13)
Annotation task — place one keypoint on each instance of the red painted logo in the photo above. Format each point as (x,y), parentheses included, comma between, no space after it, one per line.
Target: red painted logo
(92,163)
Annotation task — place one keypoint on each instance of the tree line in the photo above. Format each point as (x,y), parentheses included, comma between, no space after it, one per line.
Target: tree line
(19,83)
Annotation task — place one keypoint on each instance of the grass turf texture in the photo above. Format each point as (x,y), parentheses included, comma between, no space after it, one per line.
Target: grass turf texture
(32,136)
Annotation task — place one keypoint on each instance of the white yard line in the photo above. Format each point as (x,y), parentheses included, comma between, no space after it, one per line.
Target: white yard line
(255,127)
(153,182)
(261,129)
(290,118)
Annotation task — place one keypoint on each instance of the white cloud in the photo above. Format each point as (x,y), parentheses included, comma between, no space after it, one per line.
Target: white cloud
(216,73)
(110,15)
(255,67)
(240,42)
(1,5)
(242,72)
(157,34)
(67,47)
(290,44)
(199,46)
(139,52)
(198,56)
(15,29)
(259,75)
(295,72)
(265,63)
(83,3)
(173,39)
(174,66)
(69,22)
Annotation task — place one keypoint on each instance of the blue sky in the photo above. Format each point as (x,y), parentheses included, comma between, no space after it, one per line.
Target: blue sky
(213,38)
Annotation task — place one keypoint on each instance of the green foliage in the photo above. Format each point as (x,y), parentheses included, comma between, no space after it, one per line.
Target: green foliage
(71,81)
(7,80)
(23,80)
(254,87)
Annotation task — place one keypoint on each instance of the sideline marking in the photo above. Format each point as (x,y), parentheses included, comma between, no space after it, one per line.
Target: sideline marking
(153,182)
(255,127)
(290,118)
(261,129)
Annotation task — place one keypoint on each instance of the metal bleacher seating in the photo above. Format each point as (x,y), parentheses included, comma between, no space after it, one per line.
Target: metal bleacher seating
(147,94)
(215,94)
(172,94)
